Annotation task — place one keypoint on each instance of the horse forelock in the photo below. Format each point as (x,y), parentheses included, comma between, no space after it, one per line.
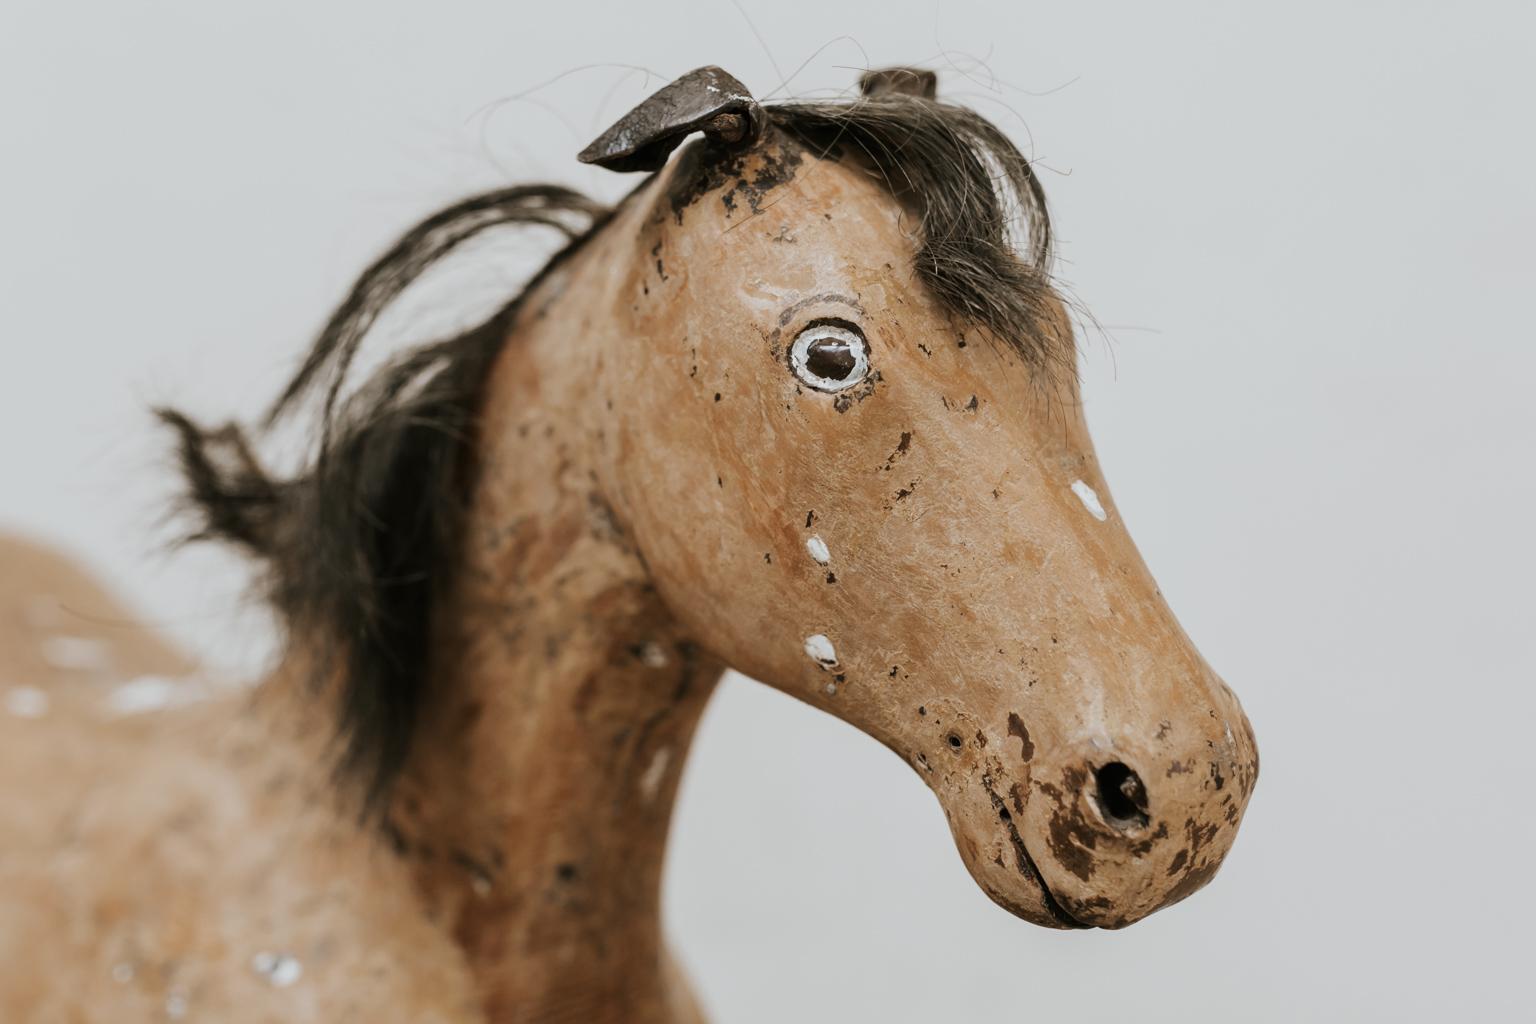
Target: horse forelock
(984,238)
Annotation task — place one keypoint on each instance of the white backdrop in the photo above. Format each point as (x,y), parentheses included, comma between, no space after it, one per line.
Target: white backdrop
(1308,229)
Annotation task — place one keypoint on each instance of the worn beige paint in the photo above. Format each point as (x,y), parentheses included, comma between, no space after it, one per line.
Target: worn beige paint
(647,479)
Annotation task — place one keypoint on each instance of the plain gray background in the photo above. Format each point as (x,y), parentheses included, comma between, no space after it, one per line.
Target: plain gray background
(1307,230)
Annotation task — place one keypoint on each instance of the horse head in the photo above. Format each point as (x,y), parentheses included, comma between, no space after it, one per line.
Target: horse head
(842,423)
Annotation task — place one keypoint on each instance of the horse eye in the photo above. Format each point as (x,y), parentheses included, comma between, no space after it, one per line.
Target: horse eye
(830,357)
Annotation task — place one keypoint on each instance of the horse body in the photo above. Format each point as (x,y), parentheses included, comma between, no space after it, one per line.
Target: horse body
(730,426)
(170,849)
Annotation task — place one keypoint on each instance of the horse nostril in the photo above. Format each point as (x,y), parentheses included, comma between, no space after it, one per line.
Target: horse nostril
(1121,796)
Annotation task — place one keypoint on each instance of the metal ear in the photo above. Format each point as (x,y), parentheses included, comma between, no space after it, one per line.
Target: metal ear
(905,81)
(706,99)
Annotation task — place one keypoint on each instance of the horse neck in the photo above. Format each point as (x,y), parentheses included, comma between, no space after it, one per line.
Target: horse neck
(536,803)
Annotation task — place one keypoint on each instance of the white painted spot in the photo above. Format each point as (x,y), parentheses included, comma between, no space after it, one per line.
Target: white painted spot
(818,549)
(650,780)
(176,1005)
(1090,500)
(26,702)
(820,650)
(653,655)
(832,689)
(287,971)
(146,693)
(280,969)
(75,653)
(122,973)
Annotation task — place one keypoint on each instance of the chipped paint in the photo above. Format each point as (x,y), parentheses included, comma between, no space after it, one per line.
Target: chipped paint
(820,650)
(146,693)
(280,969)
(1090,500)
(650,781)
(26,702)
(75,653)
(653,655)
(818,549)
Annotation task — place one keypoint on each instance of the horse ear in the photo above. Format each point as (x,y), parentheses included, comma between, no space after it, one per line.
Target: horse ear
(903,81)
(706,99)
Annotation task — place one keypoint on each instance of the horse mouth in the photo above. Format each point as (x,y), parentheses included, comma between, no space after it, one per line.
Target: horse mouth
(1052,904)
(1029,869)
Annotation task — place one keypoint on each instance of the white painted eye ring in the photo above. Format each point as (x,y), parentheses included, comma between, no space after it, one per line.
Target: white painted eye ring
(830,357)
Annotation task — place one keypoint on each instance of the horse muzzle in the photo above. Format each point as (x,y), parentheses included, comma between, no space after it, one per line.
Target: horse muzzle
(1099,831)
(1126,828)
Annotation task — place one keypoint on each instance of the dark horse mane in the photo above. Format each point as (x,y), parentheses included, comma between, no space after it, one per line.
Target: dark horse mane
(359,543)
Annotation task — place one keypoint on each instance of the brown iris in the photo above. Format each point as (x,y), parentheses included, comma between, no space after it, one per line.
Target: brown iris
(832,358)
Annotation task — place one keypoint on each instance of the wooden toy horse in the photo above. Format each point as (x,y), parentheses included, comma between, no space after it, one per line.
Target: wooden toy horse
(798,406)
